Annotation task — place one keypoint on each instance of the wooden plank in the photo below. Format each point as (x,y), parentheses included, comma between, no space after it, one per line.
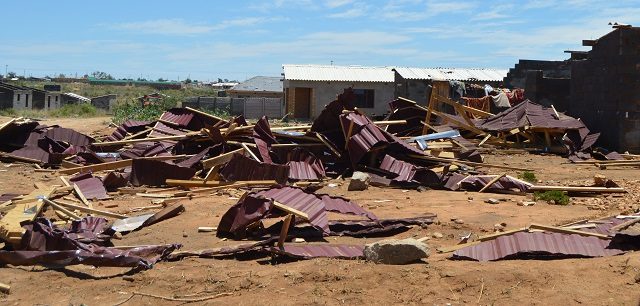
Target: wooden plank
(484,140)
(152,139)
(464,162)
(200,183)
(285,230)
(480,239)
(577,189)
(4,288)
(291,210)
(65,181)
(556,229)
(90,210)
(61,209)
(10,229)
(464,125)
(328,145)
(19,158)
(145,131)
(475,111)
(204,114)
(253,155)
(115,164)
(220,159)
(81,196)
(491,182)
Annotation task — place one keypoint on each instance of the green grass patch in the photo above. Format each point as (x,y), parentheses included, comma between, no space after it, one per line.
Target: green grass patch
(559,197)
(81,110)
(528,176)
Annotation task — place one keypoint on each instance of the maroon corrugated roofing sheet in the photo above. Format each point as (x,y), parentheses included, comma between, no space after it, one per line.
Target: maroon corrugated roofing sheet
(155,172)
(69,136)
(263,138)
(160,129)
(530,114)
(242,168)
(91,187)
(302,201)
(541,245)
(303,165)
(342,251)
(476,182)
(178,116)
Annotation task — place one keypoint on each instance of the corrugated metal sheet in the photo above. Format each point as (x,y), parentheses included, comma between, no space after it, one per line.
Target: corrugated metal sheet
(302,201)
(404,170)
(305,166)
(70,136)
(338,73)
(178,116)
(537,245)
(155,172)
(90,186)
(453,74)
(78,97)
(260,84)
(345,206)
(161,129)
(263,139)
(308,251)
(528,114)
(242,168)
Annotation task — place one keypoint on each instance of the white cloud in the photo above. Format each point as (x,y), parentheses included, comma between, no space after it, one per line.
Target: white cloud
(337,3)
(181,27)
(357,10)
(414,10)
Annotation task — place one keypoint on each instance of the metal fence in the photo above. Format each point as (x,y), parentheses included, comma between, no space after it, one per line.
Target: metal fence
(251,108)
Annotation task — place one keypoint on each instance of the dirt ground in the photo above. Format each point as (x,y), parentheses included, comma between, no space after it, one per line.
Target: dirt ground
(438,280)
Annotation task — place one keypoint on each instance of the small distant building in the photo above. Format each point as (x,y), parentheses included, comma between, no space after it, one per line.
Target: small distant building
(106,102)
(15,96)
(308,88)
(52,100)
(258,87)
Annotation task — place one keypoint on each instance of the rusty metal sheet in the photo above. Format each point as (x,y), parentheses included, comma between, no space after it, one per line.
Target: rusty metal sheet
(248,210)
(242,168)
(308,251)
(34,152)
(541,245)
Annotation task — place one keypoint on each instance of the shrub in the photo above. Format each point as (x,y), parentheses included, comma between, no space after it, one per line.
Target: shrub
(75,110)
(528,176)
(136,111)
(559,197)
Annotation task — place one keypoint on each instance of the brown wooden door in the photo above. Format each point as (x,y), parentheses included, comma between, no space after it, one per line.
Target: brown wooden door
(302,107)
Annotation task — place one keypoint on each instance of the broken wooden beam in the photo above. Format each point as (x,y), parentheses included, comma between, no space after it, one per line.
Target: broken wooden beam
(233,184)
(459,162)
(90,210)
(491,182)
(115,164)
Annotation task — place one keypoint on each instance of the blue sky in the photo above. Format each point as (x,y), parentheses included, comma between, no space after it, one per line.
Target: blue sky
(240,39)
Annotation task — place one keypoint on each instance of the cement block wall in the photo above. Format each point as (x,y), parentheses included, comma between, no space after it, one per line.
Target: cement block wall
(324,93)
(548,91)
(516,78)
(605,90)
(52,101)
(22,99)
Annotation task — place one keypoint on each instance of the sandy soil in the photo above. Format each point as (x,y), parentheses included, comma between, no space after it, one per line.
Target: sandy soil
(439,280)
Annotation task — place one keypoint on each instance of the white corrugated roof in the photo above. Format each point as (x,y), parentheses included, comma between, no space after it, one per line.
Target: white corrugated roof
(338,73)
(453,74)
(77,96)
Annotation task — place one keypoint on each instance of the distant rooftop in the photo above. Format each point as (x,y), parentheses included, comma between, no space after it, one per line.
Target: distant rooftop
(453,74)
(386,74)
(260,83)
(338,73)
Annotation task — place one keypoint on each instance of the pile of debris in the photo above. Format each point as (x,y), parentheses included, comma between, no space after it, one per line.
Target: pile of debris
(192,154)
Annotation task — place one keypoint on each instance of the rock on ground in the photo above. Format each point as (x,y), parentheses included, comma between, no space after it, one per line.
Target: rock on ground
(359,181)
(396,252)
